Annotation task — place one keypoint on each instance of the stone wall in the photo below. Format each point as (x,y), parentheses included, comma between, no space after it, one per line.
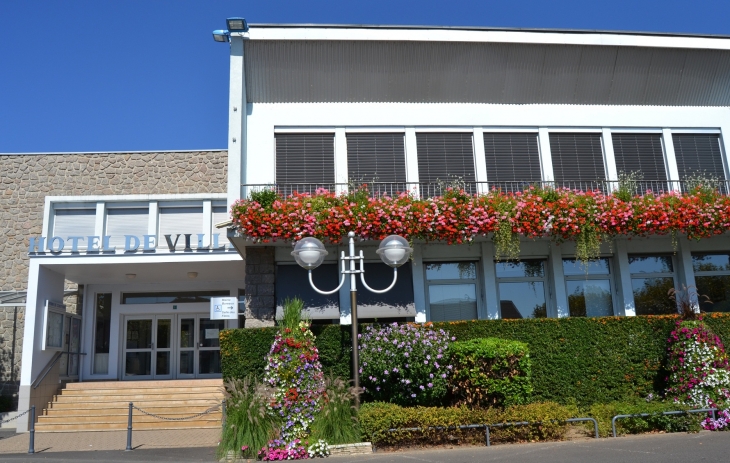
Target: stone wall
(27,179)
(260,288)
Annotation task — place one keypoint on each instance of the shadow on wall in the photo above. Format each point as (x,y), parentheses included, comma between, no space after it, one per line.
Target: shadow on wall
(11,324)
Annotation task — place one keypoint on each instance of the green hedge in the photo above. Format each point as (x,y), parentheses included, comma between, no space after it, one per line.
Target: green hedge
(581,360)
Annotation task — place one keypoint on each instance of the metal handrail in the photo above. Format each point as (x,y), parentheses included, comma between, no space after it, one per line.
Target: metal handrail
(673,412)
(49,366)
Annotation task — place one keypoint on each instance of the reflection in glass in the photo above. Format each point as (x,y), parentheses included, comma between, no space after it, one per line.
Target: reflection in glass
(54,330)
(138,364)
(209,330)
(590,298)
(187,362)
(651,296)
(102,333)
(650,264)
(525,299)
(452,302)
(163,363)
(164,331)
(717,288)
(526,268)
(710,262)
(593,267)
(451,271)
(187,332)
(139,334)
(210,362)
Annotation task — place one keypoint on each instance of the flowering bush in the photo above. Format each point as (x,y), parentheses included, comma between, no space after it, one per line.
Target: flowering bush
(278,449)
(405,364)
(720,422)
(293,369)
(318,449)
(588,217)
(699,371)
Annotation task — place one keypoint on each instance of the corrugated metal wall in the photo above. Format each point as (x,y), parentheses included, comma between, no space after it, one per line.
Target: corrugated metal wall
(440,72)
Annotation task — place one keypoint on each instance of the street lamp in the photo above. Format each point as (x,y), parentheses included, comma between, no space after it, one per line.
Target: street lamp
(394,252)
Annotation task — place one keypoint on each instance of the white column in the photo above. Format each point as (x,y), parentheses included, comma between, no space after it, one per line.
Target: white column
(671,160)
(489,271)
(609,159)
(411,159)
(207,223)
(419,285)
(725,146)
(624,288)
(154,218)
(237,122)
(99,225)
(685,270)
(480,161)
(546,159)
(560,298)
(341,175)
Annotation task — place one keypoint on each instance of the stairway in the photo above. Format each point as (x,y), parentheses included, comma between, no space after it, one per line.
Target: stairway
(103,406)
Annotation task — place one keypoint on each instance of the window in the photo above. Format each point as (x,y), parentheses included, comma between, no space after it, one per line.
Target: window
(446,158)
(220,214)
(305,161)
(522,288)
(396,303)
(178,297)
(176,221)
(102,333)
(452,290)
(75,222)
(293,281)
(588,287)
(379,160)
(712,276)
(641,152)
(577,160)
(126,221)
(698,154)
(651,278)
(513,160)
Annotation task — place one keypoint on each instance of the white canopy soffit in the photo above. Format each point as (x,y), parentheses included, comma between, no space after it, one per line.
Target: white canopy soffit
(411,71)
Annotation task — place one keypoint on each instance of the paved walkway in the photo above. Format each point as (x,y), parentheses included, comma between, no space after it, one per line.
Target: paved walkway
(110,440)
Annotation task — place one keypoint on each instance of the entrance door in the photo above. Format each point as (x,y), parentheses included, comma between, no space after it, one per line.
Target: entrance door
(199,347)
(148,347)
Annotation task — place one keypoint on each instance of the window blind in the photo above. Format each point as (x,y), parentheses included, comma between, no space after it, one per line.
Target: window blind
(376,157)
(445,157)
(180,220)
(513,158)
(220,214)
(698,154)
(577,159)
(306,159)
(74,222)
(639,152)
(126,221)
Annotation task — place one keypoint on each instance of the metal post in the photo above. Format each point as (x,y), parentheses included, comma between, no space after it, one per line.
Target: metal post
(223,413)
(486,426)
(129,429)
(353,318)
(31,445)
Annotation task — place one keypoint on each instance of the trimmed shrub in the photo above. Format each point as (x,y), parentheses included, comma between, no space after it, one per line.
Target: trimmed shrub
(603,413)
(592,360)
(378,417)
(405,364)
(490,371)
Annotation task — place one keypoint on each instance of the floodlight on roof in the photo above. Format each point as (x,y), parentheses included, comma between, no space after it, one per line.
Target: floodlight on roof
(237,25)
(221,36)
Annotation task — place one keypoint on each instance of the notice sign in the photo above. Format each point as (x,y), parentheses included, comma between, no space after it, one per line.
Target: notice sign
(223,308)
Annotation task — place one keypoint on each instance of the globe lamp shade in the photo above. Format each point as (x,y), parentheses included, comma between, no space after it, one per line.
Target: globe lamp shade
(394,251)
(309,253)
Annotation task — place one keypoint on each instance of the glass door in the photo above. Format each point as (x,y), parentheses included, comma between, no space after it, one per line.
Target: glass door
(68,364)
(186,347)
(199,347)
(148,347)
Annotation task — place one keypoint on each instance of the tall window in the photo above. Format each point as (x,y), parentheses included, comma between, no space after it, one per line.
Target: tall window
(641,152)
(220,214)
(378,160)
(712,276)
(75,222)
(578,160)
(180,221)
(452,290)
(588,287)
(513,160)
(445,158)
(699,155)
(522,288)
(102,333)
(651,278)
(305,162)
(292,281)
(126,221)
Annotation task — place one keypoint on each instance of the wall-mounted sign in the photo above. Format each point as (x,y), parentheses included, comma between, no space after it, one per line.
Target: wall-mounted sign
(99,245)
(53,316)
(223,308)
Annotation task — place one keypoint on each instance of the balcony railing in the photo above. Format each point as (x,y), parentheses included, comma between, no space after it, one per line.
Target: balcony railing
(427,190)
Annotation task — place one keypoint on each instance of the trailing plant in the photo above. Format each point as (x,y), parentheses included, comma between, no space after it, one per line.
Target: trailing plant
(336,423)
(248,426)
(490,371)
(721,421)
(406,364)
(628,185)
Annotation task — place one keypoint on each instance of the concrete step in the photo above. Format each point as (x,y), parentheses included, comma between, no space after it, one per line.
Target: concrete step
(143,390)
(137,417)
(145,384)
(121,396)
(140,403)
(151,408)
(44,427)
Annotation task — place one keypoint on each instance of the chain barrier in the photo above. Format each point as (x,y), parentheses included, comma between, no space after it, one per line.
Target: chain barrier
(210,410)
(15,417)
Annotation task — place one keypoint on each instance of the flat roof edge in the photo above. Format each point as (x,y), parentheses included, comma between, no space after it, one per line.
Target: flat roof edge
(38,153)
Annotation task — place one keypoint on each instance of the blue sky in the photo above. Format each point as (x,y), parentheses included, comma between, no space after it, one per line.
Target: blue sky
(146,75)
